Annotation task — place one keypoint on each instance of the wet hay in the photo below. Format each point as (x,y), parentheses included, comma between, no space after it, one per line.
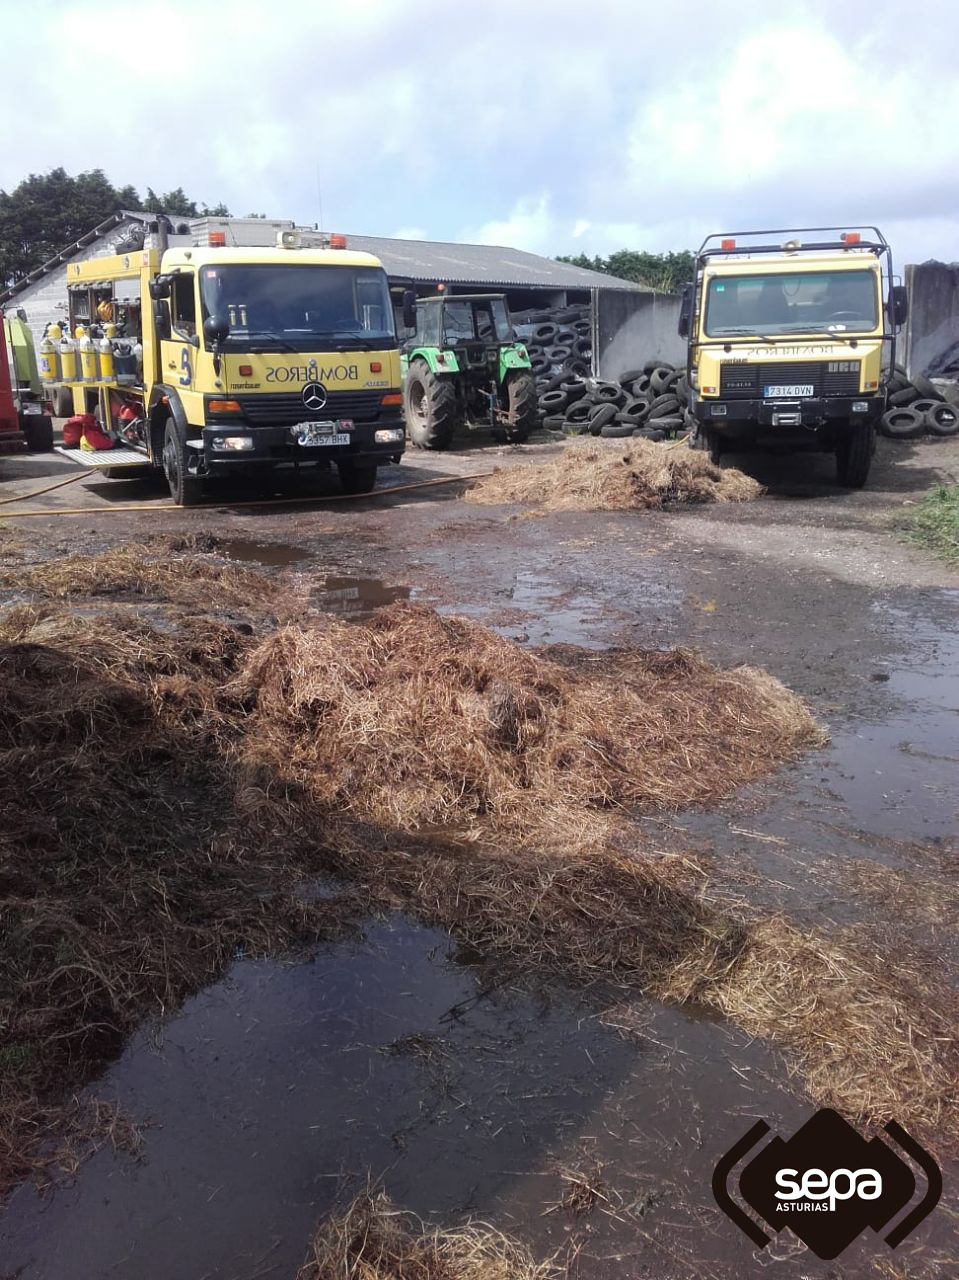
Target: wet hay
(372,1239)
(125,879)
(617,476)
(130,573)
(165,787)
(419,720)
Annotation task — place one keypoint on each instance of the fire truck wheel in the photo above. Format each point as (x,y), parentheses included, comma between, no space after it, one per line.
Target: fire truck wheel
(185,489)
(38,432)
(854,455)
(62,402)
(357,477)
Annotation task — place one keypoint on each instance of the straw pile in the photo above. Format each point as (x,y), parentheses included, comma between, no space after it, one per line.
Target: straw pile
(420,720)
(372,1239)
(617,476)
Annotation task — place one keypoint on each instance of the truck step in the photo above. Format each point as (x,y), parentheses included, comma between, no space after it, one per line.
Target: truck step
(105,457)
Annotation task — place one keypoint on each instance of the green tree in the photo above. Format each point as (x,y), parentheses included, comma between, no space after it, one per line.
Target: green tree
(47,212)
(666,271)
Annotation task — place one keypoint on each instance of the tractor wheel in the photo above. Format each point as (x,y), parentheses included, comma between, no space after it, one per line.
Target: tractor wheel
(430,405)
(521,390)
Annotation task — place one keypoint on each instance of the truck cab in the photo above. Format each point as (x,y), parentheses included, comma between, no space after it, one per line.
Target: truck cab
(229,360)
(791,340)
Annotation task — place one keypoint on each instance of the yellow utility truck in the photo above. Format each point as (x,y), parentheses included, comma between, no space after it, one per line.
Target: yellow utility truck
(791,341)
(210,360)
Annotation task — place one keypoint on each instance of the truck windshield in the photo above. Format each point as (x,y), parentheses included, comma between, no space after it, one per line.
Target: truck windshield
(299,307)
(802,302)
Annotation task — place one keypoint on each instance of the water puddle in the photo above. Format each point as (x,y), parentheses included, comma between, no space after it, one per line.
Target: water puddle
(356,598)
(897,776)
(271,555)
(464,1096)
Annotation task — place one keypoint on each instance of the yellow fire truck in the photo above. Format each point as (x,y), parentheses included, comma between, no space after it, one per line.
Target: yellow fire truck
(791,340)
(207,361)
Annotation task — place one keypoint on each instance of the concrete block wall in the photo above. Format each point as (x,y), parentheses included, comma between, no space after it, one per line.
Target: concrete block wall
(931,342)
(46,299)
(631,327)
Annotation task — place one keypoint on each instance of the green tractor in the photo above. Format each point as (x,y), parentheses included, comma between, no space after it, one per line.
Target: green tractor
(463,366)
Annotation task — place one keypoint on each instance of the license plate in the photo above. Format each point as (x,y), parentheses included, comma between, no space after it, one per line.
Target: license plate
(33,408)
(793,392)
(316,433)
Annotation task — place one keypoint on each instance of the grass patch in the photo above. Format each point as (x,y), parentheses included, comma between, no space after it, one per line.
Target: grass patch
(935,522)
(602,475)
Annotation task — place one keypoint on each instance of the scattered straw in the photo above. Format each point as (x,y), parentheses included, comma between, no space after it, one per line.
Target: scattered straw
(372,1239)
(127,572)
(165,787)
(616,476)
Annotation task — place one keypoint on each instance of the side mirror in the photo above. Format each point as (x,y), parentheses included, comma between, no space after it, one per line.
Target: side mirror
(900,305)
(161,320)
(160,287)
(216,330)
(685,311)
(409,309)
(21,315)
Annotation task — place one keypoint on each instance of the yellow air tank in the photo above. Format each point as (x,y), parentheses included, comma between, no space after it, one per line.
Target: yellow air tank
(68,358)
(49,356)
(88,358)
(105,352)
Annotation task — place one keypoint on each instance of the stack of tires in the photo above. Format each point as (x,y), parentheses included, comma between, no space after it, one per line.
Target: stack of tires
(559,345)
(917,408)
(649,402)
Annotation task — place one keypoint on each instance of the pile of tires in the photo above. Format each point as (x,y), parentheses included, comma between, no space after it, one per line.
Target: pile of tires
(559,343)
(917,407)
(649,402)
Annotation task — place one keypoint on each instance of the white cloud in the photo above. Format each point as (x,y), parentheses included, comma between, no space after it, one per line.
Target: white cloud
(657,128)
(409,233)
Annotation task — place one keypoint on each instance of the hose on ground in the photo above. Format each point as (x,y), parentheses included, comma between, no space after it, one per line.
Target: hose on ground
(253,502)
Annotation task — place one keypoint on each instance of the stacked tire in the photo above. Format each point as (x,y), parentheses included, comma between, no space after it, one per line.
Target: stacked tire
(649,402)
(917,407)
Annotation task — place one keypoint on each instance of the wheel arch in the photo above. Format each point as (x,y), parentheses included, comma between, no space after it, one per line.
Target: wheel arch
(164,403)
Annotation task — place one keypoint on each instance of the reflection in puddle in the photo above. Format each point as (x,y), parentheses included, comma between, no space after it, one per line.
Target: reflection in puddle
(356,597)
(391,1055)
(270,554)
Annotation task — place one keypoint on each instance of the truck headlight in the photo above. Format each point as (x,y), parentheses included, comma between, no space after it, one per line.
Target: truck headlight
(232,443)
(389,435)
(860,406)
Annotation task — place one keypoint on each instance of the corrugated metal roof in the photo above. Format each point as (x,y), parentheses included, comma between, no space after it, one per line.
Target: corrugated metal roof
(426,261)
(423,261)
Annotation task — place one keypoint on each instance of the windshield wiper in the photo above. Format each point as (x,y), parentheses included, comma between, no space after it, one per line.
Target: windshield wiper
(738,333)
(841,335)
(272,337)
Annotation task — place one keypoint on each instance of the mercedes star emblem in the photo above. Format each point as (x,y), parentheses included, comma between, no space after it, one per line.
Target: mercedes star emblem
(314,396)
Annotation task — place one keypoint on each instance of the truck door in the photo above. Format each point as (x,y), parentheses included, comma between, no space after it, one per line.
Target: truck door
(178,352)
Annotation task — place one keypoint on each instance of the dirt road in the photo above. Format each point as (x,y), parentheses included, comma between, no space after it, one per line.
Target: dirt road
(391,1054)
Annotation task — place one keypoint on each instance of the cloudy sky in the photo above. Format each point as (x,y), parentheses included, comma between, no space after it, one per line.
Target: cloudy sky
(557,127)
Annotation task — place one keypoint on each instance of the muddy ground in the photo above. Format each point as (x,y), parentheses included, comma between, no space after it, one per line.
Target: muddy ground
(470,1093)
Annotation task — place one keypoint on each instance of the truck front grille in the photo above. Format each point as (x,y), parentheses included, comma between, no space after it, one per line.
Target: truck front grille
(282,409)
(826,377)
